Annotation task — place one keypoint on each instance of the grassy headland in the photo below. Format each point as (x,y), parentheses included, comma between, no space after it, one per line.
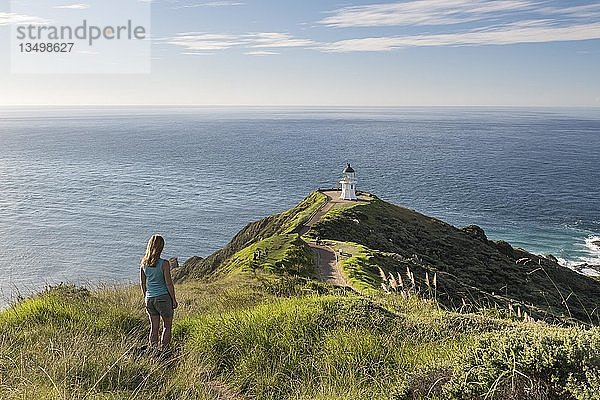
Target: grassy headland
(253,323)
(471,270)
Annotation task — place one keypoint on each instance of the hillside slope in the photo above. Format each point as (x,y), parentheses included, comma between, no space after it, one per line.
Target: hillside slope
(284,223)
(470,268)
(471,271)
(254,322)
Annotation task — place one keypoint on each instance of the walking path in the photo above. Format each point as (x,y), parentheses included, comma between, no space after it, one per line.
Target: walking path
(319,214)
(327,265)
(326,259)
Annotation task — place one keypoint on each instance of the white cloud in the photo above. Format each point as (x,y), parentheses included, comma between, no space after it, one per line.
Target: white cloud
(260,53)
(19,19)
(265,40)
(498,22)
(521,32)
(209,4)
(221,4)
(527,31)
(204,41)
(75,6)
(579,12)
(422,12)
(274,39)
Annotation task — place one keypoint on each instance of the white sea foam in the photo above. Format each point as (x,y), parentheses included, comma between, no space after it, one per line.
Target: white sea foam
(593,244)
(566,263)
(592,257)
(590,272)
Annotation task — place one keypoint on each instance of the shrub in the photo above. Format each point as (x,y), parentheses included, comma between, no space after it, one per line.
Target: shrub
(535,363)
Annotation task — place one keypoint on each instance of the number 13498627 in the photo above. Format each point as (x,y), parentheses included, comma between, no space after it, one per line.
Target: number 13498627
(45,47)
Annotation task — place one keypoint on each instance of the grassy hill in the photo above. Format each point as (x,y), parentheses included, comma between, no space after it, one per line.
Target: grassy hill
(470,269)
(253,323)
(279,224)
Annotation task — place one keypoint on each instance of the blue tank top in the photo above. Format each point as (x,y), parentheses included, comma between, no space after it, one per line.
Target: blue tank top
(155,280)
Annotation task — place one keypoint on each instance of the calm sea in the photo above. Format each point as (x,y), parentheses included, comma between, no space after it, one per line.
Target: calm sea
(81,190)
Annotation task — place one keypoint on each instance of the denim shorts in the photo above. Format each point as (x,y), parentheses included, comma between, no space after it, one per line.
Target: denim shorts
(160,305)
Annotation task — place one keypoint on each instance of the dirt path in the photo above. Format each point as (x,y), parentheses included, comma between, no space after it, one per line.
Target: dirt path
(317,216)
(326,262)
(327,265)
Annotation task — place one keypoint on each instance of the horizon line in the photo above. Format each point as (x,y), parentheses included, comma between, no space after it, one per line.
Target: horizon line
(169,105)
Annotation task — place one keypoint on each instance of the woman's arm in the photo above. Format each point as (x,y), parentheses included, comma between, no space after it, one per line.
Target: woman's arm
(169,281)
(143,281)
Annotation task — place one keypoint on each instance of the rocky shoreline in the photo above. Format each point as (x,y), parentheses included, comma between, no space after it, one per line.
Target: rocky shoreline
(587,269)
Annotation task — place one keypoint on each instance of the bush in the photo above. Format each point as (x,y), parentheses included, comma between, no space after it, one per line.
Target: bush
(536,363)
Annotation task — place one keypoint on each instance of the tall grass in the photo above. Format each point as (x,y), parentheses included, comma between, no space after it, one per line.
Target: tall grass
(283,338)
(66,343)
(301,347)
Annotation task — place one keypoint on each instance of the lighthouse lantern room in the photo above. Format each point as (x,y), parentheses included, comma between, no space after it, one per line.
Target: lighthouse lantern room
(348,184)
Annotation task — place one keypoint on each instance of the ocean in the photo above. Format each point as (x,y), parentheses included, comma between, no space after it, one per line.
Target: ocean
(82,189)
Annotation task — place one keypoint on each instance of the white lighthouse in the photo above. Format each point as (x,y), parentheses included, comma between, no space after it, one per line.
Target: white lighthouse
(348,184)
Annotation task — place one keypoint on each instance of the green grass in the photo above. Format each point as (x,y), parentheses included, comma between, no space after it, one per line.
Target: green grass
(359,269)
(315,342)
(471,269)
(284,223)
(532,362)
(292,219)
(256,325)
(284,337)
(277,254)
(338,209)
(67,342)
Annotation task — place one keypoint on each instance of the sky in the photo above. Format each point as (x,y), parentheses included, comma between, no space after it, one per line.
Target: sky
(339,53)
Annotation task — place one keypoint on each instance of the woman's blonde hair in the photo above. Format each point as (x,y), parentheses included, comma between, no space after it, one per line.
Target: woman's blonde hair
(153,250)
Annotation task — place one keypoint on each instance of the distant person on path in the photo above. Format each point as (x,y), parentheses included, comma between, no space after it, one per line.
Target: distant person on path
(159,292)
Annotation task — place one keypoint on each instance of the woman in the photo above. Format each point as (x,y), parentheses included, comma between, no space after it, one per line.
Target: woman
(159,292)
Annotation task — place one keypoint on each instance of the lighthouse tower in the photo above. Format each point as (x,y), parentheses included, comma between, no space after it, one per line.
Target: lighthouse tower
(348,184)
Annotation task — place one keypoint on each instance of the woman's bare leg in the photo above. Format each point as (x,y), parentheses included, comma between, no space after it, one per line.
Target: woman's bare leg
(166,334)
(154,325)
